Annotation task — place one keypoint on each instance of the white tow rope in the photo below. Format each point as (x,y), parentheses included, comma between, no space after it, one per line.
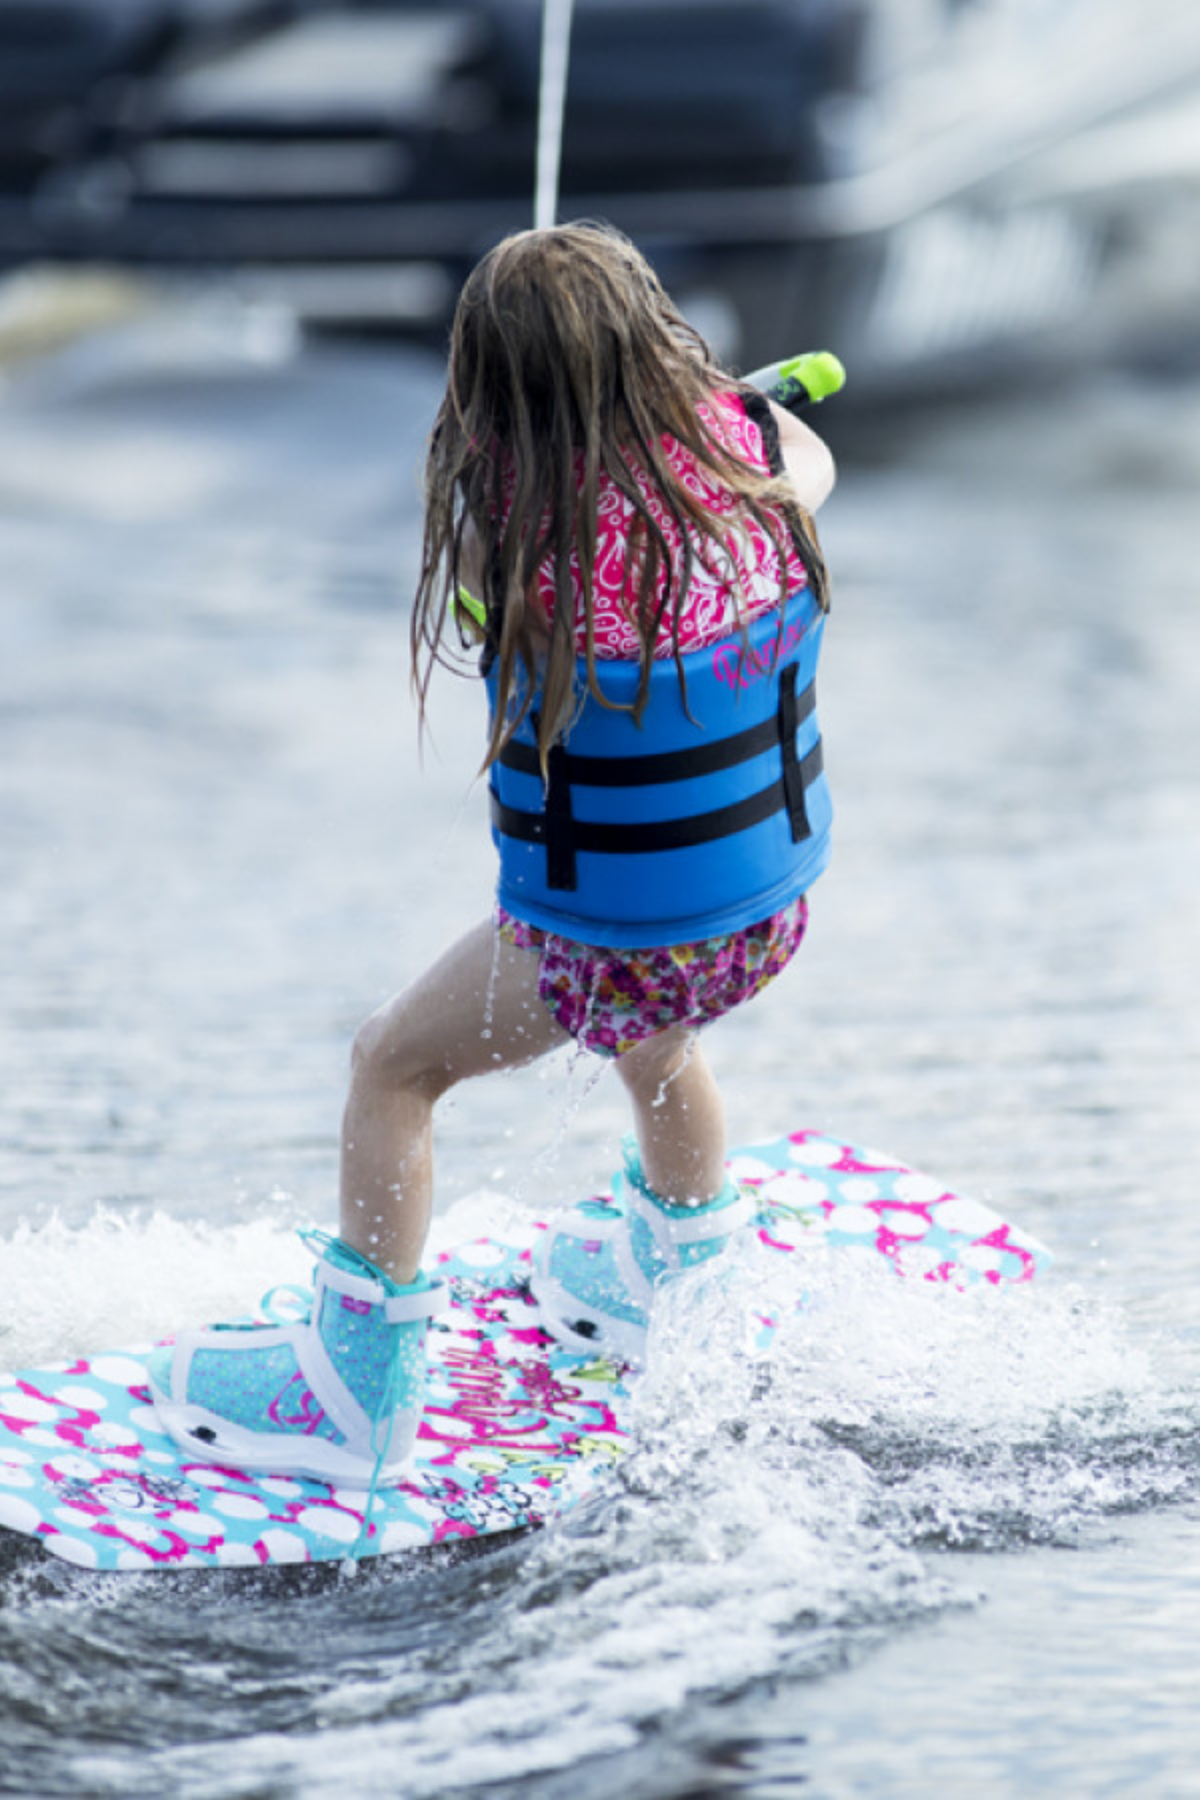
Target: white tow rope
(552,97)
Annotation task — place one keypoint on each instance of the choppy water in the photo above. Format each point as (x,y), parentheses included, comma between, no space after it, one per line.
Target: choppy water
(953,1546)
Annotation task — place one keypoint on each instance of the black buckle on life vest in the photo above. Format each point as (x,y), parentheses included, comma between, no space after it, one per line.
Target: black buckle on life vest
(564,835)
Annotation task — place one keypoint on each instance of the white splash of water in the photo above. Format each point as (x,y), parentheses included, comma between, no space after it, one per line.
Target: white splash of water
(985,1418)
(123,1281)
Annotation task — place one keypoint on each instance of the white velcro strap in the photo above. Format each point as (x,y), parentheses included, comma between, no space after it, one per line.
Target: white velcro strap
(399,1309)
(696,1224)
(369,1288)
(404,1309)
(630,1270)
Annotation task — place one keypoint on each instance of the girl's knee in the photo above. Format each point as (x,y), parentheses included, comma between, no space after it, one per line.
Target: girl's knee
(372,1050)
(387,1053)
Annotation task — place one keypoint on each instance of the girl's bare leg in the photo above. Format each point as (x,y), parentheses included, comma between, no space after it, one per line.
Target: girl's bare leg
(406,1056)
(678,1115)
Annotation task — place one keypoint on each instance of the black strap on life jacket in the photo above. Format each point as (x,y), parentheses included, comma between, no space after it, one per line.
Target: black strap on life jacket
(564,835)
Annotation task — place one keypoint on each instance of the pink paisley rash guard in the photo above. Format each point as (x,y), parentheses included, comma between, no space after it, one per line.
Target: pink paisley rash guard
(726,590)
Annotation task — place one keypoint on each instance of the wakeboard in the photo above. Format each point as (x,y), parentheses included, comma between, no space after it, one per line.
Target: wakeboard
(517,1429)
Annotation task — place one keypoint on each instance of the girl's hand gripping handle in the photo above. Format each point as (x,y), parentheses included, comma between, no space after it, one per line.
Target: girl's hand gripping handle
(791,386)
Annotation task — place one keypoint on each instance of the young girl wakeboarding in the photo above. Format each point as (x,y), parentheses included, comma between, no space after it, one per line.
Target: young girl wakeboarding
(631,531)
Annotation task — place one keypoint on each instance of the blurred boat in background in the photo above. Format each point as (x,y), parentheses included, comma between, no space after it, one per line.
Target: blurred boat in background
(943,189)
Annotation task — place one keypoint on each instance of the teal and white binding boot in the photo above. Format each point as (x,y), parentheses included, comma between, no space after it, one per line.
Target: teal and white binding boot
(595,1271)
(336,1395)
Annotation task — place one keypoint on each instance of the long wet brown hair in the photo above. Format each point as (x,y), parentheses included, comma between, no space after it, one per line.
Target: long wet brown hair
(566,353)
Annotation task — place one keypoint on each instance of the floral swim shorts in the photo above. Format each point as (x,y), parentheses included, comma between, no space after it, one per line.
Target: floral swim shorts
(610,1000)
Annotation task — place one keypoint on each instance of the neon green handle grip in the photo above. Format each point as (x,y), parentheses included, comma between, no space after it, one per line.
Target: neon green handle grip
(801,380)
(465,603)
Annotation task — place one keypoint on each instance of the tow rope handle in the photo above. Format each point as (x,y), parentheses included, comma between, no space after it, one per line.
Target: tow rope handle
(800,381)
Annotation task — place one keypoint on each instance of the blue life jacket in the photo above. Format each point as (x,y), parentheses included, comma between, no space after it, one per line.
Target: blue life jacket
(684,827)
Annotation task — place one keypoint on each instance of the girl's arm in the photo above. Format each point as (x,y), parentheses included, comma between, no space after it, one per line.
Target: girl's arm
(470,561)
(807,459)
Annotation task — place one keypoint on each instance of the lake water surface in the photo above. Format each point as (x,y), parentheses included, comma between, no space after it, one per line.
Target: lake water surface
(956,1549)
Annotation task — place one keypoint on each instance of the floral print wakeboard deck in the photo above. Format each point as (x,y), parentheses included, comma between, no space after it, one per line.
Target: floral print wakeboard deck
(516,1429)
